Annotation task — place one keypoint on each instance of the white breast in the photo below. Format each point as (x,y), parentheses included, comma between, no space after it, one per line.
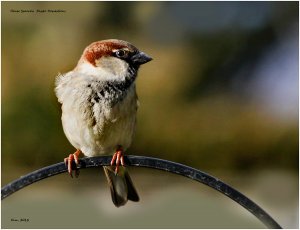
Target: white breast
(95,128)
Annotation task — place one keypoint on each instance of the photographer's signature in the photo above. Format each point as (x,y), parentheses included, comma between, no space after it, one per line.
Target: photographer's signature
(19,219)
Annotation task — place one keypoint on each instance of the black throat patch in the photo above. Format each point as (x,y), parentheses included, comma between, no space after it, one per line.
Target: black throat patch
(112,92)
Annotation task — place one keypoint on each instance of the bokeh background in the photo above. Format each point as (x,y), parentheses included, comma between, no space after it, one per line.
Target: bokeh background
(221,95)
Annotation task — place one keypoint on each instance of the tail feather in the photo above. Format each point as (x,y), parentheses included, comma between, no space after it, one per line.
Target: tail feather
(132,193)
(121,186)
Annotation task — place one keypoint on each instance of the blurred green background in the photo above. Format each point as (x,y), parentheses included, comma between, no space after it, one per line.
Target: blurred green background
(221,95)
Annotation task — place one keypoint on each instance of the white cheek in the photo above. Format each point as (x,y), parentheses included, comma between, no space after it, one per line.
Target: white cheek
(95,72)
(115,68)
(107,69)
(87,68)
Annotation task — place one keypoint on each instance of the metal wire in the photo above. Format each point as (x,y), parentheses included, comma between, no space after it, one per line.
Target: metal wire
(147,162)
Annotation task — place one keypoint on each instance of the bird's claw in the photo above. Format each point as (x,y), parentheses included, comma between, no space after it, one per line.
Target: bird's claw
(69,162)
(117,158)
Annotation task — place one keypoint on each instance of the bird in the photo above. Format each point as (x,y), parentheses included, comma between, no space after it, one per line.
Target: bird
(99,105)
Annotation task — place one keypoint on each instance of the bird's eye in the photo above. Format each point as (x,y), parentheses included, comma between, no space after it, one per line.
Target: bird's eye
(120,53)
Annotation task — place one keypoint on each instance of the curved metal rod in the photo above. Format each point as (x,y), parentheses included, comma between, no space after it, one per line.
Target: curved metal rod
(147,162)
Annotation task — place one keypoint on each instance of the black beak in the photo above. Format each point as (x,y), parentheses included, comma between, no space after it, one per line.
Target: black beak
(140,58)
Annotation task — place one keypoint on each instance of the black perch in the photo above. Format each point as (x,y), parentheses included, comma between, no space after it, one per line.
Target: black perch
(148,162)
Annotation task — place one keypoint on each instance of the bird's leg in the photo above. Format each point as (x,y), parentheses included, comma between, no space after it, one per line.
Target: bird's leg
(118,158)
(69,160)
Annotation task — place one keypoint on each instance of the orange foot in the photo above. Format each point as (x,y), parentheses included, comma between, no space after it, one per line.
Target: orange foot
(69,160)
(118,158)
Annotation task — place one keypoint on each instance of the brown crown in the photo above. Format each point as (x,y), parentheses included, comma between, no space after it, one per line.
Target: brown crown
(99,49)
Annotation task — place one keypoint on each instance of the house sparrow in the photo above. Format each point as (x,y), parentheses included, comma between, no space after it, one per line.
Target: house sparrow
(99,105)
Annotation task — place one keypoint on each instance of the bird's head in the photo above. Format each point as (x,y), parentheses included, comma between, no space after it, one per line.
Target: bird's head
(114,57)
